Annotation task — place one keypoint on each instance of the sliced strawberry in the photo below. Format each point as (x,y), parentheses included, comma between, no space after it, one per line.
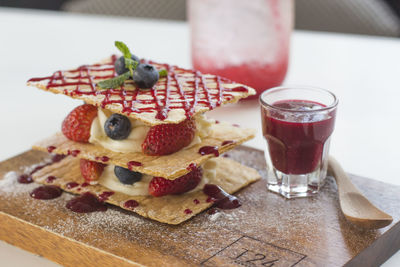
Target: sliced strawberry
(159,186)
(91,170)
(76,126)
(166,139)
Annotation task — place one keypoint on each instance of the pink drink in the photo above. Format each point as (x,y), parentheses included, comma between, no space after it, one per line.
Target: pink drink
(296,142)
(244,41)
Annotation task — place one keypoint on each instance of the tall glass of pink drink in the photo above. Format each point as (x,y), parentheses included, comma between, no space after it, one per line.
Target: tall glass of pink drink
(245,41)
(297,124)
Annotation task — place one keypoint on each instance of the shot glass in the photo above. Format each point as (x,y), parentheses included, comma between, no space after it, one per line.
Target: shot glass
(297,123)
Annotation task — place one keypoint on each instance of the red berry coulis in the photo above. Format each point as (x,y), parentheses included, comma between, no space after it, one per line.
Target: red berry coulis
(27,178)
(227,142)
(46,192)
(132,164)
(170,93)
(85,203)
(74,153)
(188,211)
(131,204)
(71,185)
(105,195)
(205,150)
(191,167)
(223,200)
(196,201)
(50,179)
(103,158)
(51,148)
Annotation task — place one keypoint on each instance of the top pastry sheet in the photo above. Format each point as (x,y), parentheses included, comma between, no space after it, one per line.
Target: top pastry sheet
(183,93)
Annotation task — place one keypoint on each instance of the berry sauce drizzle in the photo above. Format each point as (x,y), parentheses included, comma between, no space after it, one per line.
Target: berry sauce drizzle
(105,195)
(222,199)
(132,164)
(85,203)
(131,204)
(46,192)
(170,93)
(205,150)
(27,177)
(227,142)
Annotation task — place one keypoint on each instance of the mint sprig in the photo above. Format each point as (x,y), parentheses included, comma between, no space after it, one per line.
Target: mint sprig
(124,49)
(163,73)
(114,82)
(130,64)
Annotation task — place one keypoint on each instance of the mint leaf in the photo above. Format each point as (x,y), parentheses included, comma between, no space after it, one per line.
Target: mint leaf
(115,82)
(163,73)
(124,49)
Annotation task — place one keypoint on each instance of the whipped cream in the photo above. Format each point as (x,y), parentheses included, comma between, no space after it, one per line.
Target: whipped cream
(109,179)
(133,143)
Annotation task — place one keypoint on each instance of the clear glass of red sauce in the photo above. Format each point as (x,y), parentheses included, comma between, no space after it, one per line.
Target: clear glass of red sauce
(297,123)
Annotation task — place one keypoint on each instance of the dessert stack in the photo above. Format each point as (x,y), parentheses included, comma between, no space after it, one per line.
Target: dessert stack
(141,140)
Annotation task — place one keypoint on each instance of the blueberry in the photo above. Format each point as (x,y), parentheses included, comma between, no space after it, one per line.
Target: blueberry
(120,64)
(126,176)
(145,76)
(117,127)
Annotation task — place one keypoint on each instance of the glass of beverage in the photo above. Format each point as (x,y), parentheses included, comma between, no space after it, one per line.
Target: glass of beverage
(297,123)
(244,41)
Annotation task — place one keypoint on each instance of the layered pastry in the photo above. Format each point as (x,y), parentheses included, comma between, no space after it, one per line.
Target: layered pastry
(142,140)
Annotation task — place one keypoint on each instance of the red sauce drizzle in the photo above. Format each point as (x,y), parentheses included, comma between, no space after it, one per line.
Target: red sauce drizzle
(84,184)
(50,179)
(103,158)
(85,203)
(71,185)
(227,142)
(46,192)
(105,195)
(205,150)
(188,211)
(192,166)
(169,94)
(27,178)
(131,204)
(50,148)
(223,200)
(132,164)
(196,201)
(74,153)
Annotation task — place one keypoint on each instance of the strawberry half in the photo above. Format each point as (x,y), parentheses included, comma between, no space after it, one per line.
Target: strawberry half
(76,126)
(160,186)
(91,170)
(166,139)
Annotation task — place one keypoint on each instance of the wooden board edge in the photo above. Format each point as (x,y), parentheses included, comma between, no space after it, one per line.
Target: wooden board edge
(55,247)
(380,250)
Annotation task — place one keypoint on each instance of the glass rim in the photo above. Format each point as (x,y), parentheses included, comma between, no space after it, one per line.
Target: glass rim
(310,88)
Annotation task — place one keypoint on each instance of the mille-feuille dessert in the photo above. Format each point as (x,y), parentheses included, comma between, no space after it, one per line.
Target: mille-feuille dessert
(142,142)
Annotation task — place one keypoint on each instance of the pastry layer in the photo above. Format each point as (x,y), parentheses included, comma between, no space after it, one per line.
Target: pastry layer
(182,93)
(230,175)
(169,166)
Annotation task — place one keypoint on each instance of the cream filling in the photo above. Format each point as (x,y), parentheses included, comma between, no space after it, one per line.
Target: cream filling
(133,143)
(109,179)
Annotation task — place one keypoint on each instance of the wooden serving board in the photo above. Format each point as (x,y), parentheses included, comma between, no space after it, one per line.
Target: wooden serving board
(267,230)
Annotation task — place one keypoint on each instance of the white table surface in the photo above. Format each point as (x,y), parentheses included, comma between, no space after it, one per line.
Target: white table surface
(364,72)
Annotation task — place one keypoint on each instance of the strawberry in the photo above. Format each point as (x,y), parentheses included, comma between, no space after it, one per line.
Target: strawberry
(91,170)
(76,126)
(166,139)
(160,186)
